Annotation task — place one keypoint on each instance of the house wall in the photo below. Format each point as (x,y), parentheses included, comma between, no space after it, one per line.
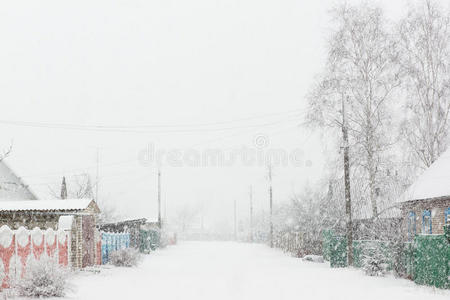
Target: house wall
(437,208)
(16,219)
(76,243)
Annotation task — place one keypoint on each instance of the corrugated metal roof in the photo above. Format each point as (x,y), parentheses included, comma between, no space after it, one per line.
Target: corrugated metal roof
(45,205)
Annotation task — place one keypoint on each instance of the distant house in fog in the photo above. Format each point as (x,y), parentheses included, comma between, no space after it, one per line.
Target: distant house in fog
(11,186)
(426,203)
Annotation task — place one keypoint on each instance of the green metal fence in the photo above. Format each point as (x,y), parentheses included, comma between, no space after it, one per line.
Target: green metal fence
(327,235)
(334,249)
(426,260)
(338,253)
(149,240)
(431,260)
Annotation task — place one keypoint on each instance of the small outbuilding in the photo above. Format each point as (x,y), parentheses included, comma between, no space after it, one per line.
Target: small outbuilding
(426,203)
(145,233)
(133,227)
(79,216)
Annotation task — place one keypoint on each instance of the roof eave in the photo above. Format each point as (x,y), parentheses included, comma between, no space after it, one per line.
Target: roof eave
(439,198)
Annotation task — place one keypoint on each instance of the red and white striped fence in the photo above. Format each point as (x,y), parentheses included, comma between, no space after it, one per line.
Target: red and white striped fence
(19,247)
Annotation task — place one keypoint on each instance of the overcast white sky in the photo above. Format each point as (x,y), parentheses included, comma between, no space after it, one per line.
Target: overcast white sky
(164,62)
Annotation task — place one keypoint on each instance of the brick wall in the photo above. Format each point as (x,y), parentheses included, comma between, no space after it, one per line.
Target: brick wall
(437,208)
(76,243)
(16,219)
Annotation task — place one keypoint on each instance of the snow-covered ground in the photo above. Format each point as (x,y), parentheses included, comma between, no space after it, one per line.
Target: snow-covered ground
(227,270)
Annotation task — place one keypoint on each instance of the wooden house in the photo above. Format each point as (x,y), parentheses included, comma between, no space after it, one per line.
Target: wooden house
(425,205)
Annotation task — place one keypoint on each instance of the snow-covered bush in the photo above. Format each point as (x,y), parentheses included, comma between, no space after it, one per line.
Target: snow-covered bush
(374,261)
(399,258)
(43,278)
(125,257)
(313,258)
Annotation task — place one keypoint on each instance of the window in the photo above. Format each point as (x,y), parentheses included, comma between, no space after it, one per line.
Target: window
(447,215)
(426,222)
(411,225)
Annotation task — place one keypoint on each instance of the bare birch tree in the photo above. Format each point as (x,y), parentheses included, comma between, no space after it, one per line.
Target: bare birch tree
(79,187)
(361,71)
(424,36)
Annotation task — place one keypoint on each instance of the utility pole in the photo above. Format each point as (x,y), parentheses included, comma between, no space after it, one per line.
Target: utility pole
(97,178)
(348,202)
(165,210)
(251,214)
(202,218)
(159,199)
(270,206)
(235,220)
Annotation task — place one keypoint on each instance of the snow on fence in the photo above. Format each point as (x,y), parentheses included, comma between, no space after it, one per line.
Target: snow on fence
(111,242)
(149,240)
(297,244)
(426,260)
(19,247)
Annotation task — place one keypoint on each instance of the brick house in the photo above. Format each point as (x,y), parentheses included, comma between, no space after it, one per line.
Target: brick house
(425,205)
(79,216)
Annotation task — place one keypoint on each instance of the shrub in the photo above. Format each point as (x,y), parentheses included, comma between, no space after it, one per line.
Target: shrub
(125,258)
(43,278)
(374,262)
(399,259)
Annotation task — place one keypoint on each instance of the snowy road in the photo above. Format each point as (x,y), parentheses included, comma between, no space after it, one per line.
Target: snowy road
(226,270)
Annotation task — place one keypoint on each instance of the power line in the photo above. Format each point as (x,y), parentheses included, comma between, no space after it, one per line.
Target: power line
(32,175)
(180,128)
(82,169)
(109,178)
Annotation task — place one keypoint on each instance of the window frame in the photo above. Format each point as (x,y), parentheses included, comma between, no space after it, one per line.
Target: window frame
(447,216)
(426,213)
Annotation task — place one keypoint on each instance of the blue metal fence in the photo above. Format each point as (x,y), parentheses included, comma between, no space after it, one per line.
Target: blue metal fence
(112,242)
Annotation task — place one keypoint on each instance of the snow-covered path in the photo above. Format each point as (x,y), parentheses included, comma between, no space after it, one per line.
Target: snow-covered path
(227,270)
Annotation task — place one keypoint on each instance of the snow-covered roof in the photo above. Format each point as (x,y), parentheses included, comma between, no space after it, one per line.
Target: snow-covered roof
(12,187)
(433,183)
(129,217)
(46,205)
